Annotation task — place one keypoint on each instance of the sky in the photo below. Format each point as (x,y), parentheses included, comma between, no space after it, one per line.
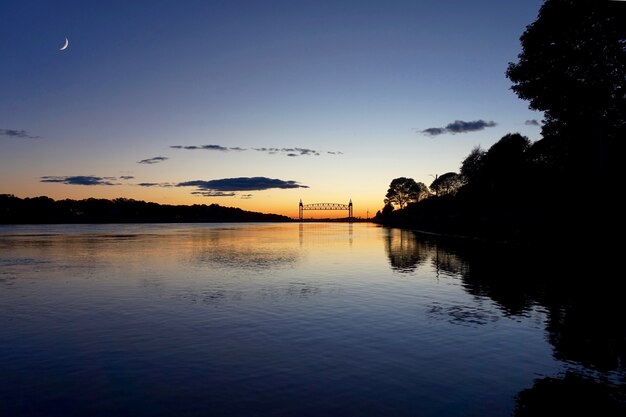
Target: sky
(253,104)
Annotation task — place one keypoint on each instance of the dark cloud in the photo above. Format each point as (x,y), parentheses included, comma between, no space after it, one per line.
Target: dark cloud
(272,151)
(201,147)
(434,131)
(80,180)
(127,177)
(213,193)
(459,126)
(241,184)
(289,151)
(533,122)
(17,134)
(334,153)
(154,160)
(246,196)
(156,184)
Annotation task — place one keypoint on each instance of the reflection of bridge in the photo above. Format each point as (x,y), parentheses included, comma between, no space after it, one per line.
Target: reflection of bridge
(325,206)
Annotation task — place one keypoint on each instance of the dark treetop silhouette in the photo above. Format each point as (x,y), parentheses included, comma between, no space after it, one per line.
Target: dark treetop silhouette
(573,68)
(120,210)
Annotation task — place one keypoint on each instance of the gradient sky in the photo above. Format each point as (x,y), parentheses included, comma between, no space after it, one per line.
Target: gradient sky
(336,96)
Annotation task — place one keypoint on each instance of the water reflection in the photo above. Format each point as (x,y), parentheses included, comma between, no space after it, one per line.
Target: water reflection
(301,319)
(571,395)
(230,248)
(586,321)
(327,233)
(405,252)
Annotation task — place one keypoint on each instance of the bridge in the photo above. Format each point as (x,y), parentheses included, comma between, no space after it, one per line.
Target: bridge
(326,206)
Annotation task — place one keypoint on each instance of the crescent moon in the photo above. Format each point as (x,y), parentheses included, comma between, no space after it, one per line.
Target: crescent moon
(64,47)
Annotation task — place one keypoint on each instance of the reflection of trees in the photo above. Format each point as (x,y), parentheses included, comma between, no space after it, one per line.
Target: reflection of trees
(586,317)
(586,322)
(571,395)
(588,326)
(404,250)
(445,261)
(501,274)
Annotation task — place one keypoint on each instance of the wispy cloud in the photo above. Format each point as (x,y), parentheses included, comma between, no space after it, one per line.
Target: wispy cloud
(156,184)
(289,151)
(240,184)
(154,160)
(459,126)
(22,134)
(80,180)
(532,122)
(213,193)
(127,177)
(204,147)
(272,151)
(246,196)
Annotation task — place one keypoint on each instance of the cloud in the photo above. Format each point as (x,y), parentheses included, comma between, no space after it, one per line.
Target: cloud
(202,147)
(434,131)
(80,180)
(156,184)
(17,134)
(127,177)
(246,196)
(459,126)
(213,193)
(289,151)
(154,160)
(272,151)
(241,184)
(532,122)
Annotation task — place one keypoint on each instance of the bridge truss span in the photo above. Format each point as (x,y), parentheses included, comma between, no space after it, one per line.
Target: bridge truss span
(326,206)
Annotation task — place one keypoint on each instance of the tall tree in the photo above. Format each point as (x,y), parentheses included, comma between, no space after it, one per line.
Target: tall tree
(471,166)
(405,190)
(448,183)
(573,68)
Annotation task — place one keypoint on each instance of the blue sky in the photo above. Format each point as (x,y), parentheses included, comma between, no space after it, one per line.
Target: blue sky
(353,83)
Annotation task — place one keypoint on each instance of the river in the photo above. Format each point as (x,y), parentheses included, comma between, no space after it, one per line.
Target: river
(313,319)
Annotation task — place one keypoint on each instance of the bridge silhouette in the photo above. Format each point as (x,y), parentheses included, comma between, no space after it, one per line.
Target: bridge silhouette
(326,206)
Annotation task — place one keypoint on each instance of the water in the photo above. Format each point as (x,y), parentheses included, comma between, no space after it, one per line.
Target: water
(314,319)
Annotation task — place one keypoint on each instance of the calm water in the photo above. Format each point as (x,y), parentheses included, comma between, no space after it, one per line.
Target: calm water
(294,320)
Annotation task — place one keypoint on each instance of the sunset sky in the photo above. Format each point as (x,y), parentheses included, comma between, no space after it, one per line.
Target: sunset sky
(253,104)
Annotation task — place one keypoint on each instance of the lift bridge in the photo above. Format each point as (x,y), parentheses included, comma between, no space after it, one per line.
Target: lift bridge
(326,206)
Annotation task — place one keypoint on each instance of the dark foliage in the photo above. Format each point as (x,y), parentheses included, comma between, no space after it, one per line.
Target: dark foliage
(405,190)
(573,68)
(448,183)
(14,210)
(568,396)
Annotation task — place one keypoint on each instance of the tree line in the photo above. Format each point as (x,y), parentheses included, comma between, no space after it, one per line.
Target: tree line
(572,68)
(41,210)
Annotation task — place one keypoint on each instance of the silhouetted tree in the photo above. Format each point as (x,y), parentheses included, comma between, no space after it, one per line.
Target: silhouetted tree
(405,190)
(472,165)
(119,210)
(573,68)
(447,183)
(506,157)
